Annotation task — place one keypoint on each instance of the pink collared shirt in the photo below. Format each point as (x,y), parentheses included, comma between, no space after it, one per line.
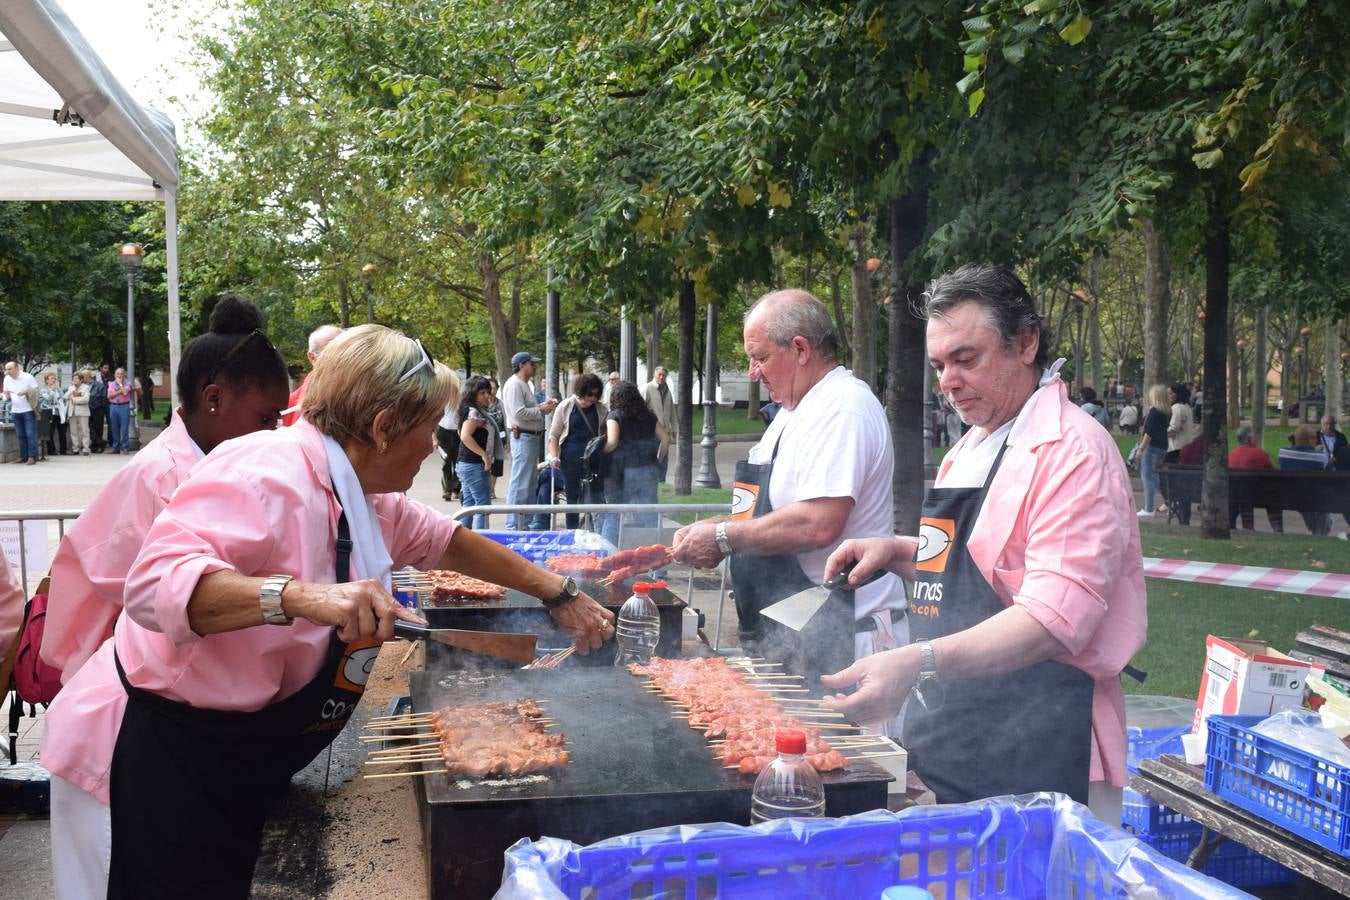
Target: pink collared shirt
(89,573)
(260,505)
(1057,535)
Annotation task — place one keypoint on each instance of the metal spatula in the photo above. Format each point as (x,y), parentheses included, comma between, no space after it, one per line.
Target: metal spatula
(797,610)
(506,645)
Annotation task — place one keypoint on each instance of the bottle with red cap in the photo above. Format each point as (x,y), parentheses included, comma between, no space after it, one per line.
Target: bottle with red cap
(788,787)
(638,629)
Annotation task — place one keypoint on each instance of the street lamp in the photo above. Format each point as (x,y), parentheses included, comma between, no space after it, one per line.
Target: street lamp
(132,257)
(368,273)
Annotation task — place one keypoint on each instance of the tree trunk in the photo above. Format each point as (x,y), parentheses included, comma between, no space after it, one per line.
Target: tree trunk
(652,332)
(466,348)
(1214,487)
(684,459)
(513,317)
(1333,370)
(344,303)
(503,335)
(1234,372)
(837,304)
(908,356)
(864,323)
(1260,367)
(1157,300)
(1095,348)
(752,407)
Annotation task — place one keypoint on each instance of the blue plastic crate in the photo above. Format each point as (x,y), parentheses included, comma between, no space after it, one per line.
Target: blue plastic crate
(1288,786)
(1231,863)
(539,546)
(1001,848)
(1141,815)
(1151,743)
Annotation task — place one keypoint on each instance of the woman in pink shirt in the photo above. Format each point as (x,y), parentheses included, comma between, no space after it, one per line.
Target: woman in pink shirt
(245,646)
(232,381)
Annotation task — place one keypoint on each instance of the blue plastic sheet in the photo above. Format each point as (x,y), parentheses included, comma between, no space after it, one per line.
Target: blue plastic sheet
(1041,845)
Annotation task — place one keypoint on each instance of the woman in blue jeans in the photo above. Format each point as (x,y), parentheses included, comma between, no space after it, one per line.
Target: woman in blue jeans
(635,440)
(477,440)
(1153,446)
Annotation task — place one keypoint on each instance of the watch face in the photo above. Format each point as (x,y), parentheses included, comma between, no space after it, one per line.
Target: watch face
(570,586)
(930,693)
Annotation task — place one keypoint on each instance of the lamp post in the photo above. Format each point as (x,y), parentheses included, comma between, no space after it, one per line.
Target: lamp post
(368,273)
(132,257)
(707,470)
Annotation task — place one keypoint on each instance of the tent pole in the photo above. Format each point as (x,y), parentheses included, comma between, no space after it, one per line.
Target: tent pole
(171,277)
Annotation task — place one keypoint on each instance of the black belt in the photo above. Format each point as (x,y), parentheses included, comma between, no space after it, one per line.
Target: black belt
(868,623)
(523,431)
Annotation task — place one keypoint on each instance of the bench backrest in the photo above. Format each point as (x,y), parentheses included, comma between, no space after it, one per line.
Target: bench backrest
(1298,489)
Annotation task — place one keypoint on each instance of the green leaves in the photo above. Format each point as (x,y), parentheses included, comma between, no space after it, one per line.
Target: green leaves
(1077,30)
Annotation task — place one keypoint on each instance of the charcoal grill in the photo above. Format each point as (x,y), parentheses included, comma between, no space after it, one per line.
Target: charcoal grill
(633,766)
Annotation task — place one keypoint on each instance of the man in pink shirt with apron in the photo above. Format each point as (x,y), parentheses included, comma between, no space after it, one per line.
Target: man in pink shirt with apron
(1028,598)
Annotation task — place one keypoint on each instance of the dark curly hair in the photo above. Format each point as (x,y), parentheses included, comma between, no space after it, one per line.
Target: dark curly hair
(234,352)
(626,400)
(587,383)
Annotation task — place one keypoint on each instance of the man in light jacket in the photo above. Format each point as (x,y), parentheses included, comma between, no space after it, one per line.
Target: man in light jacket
(661,399)
(525,420)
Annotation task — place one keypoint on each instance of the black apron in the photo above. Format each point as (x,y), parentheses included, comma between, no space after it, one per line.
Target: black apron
(1023,731)
(825,645)
(191,788)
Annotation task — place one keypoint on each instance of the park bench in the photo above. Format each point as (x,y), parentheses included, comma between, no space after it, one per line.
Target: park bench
(1273,489)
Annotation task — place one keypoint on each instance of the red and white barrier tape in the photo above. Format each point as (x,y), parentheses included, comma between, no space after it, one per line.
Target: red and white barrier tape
(1286,581)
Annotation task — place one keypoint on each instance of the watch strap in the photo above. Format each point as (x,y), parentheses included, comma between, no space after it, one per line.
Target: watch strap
(927,661)
(269,598)
(720,536)
(567,594)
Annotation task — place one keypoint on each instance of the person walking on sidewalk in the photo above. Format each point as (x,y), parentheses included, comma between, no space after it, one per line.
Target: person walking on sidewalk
(21,391)
(119,409)
(78,395)
(525,421)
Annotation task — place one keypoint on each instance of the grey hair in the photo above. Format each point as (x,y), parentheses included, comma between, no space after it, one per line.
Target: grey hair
(659,370)
(797,313)
(322,336)
(1245,435)
(1001,293)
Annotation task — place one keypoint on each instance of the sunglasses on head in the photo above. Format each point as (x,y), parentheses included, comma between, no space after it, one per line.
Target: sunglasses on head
(425,363)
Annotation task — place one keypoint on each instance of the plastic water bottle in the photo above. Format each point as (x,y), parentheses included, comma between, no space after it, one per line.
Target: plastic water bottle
(905,892)
(788,787)
(638,628)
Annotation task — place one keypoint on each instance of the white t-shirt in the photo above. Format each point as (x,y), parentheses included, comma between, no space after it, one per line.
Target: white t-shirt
(837,443)
(18,391)
(450,419)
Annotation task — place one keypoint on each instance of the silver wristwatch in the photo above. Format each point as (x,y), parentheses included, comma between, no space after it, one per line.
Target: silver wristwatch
(927,688)
(270,600)
(720,536)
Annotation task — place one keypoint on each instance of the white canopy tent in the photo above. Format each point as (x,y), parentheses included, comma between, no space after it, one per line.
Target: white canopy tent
(70,131)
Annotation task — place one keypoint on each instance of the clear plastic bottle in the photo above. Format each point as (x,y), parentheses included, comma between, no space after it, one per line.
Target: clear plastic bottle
(788,787)
(638,628)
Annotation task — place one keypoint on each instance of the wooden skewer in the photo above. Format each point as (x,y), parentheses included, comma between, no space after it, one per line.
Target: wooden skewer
(404,747)
(412,774)
(403,760)
(367,738)
(772,675)
(868,755)
(384,720)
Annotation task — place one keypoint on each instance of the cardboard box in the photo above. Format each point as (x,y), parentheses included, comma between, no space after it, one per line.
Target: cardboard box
(1247,678)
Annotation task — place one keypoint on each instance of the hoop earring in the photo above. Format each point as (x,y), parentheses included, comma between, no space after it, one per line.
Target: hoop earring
(384,445)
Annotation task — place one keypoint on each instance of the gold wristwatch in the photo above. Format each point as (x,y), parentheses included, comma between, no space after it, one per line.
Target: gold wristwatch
(269,598)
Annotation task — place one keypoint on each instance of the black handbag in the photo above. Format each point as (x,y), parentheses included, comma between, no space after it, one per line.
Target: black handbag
(594,460)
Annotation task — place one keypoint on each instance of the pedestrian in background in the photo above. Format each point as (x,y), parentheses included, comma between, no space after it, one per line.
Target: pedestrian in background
(477,446)
(1153,447)
(21,390)
(525,421)
(97,382)
(661,399)
(635,441)
(52,423)
(119,409)
(78,395)
(447,436)
(577,421)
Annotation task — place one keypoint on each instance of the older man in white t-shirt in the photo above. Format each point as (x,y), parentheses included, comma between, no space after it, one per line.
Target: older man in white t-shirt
(18,386)
(821,474)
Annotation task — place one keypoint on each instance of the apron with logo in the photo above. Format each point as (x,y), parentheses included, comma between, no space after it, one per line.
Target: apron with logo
(1022,731)
(191,788)
(825,645)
